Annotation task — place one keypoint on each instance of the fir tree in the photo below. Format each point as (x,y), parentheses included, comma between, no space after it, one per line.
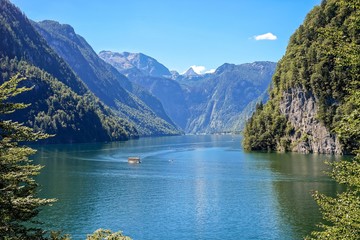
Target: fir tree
(18,201)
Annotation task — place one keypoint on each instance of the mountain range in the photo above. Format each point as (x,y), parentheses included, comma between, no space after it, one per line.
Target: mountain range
(128,100)
(82,96)
(202,104)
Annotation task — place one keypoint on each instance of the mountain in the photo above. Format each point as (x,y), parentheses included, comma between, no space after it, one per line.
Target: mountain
(313,86)
(190,73)
(174,74)
(208,103)
(135,64)
(60,103)
(113,88)
(168,91)
(218,100)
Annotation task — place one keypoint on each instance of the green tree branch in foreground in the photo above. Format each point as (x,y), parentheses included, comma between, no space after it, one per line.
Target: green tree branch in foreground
(18,200)
(342,213)
(103,234)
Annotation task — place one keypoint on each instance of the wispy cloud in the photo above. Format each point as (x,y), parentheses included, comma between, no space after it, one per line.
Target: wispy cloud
(198,69)
(210,71)
(266,36)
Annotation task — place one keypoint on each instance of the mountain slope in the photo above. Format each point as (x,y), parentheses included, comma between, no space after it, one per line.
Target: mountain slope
(218,100)
(105,81)
(60,103)
(209,103)
(165,89)
(135,64)
(21,40)
(318,72)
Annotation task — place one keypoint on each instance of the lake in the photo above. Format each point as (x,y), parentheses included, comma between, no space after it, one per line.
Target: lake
(187,187)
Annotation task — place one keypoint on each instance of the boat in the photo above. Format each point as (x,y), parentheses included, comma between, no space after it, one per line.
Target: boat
(134,160)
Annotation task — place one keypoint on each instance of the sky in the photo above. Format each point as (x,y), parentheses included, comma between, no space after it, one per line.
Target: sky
(181,33)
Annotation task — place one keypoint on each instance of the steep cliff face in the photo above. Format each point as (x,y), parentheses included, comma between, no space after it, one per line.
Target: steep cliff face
(309,135)
(312,85)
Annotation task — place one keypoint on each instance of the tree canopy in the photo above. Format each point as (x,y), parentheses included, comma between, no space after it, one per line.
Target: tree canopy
(323,60)
(18,200)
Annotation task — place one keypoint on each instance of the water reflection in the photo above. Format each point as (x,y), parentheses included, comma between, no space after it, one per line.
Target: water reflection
(193,187)
(297,176)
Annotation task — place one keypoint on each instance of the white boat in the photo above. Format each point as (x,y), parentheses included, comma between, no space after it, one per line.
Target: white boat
(134,160)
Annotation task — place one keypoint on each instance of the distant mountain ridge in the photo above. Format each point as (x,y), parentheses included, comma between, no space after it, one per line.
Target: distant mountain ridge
(61,104)
(205,103)
(222,98)
(151,101)
(106,82)
(135,64)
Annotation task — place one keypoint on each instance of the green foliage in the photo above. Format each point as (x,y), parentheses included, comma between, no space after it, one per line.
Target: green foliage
(342,213)
(100,234)
(61,104)
(56,109)
(18,200)
(104,234)
(106,82)
(347,125)
(264,129)
(322,58)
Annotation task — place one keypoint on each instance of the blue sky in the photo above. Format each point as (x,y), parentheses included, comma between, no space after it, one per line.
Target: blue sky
(183,33)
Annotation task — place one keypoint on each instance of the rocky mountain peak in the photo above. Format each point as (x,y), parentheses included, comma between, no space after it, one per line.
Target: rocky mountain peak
(133,63)
(190,73)
(62,29)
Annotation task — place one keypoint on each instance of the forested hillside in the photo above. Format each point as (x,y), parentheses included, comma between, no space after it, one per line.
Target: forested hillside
(114,89)
(60,103)
(313,86)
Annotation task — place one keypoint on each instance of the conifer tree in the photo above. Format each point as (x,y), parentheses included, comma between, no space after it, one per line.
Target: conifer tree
(18,201)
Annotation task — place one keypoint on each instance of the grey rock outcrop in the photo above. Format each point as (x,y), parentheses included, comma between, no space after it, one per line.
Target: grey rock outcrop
(309,135)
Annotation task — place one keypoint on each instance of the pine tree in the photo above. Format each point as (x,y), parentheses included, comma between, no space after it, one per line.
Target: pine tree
(18,201)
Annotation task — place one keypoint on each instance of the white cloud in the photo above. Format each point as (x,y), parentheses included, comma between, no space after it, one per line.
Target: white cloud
(210,71)
(198,69)
(266,36)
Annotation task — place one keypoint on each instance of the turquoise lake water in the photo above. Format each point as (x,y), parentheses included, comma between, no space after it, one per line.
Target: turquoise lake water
(187,187)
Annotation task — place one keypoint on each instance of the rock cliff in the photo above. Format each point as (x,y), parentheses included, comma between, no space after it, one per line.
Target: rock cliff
(309,135)
(311,88)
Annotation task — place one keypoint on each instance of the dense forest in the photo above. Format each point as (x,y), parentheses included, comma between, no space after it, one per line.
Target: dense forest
(126,98)
(61,103)
(321,63)
(56,109)
(319,74)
